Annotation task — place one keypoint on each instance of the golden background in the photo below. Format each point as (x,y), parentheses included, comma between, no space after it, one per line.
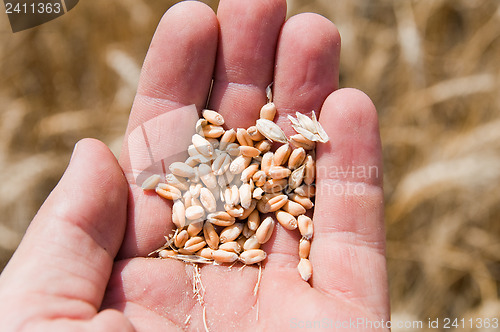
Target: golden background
(432,68)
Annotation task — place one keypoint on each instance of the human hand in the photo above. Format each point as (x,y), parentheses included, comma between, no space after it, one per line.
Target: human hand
(65,274)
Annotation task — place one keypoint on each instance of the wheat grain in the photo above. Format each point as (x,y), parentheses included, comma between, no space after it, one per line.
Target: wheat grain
(271,131)
(305,269)
(151,182)
(232,174)
(213,117)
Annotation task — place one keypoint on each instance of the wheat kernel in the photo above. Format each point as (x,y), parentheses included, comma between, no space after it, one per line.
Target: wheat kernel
(177,181)
(304,248)
(202,145)
(245,194)
(306,190)
(151,182)
(248,172)
(274,185)
(286,220)
(271,130)
(192,150)
(305,226)
(195,212)
(264,146)
(208,201)
(221,218)
(279,172)
(300,141)
(252,256)
(281,155)
(247,232)
(253,221)
(199,126)
(259,178)
(221,164)
(207,176)
(310,172)
(251,243)
(241,240)
(231,233)
(215,143)
(276,202)
(195,227)
(222,256)
(294,208)
(183,251)
(250,209)
(234,211)
(181,169)
(228,137)
(211,236)
(239,164)
(243,137)
(268,111)
(295,179)
(249,151)
(178,214)
(195,189)
(181,238)
(296,158)
(167,191)
(188,199)
(194,244)
(302,200)
(205,253)
(231,246)
(233,149)
(257,193)
(254,134)
(191,161)
(305,269)
(166,253)
(265,230)
(213,117)
(267,162)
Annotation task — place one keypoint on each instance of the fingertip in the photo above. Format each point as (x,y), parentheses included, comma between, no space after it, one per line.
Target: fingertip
(313,24)
(307,65)
(349,104)
(179,63)
(186,9)
(350,119)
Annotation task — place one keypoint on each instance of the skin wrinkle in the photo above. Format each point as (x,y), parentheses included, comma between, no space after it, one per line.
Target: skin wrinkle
(136,297)
(102,275)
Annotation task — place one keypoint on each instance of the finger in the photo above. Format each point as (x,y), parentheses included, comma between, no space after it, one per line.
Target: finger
(307,66)
(306,73)
(64,261)
(248,35)
(348,247)
(174,86)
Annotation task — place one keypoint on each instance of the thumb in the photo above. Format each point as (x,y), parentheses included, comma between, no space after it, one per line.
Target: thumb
(62,266)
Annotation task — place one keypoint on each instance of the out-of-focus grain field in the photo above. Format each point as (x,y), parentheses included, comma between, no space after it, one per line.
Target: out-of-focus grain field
(432,68)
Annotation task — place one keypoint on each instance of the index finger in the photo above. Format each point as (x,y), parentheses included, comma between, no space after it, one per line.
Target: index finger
(174,86)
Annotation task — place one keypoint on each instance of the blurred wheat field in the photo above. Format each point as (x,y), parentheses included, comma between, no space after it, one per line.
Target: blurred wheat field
(431,67)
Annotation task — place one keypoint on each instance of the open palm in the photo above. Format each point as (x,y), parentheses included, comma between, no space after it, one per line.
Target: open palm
(97,240)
